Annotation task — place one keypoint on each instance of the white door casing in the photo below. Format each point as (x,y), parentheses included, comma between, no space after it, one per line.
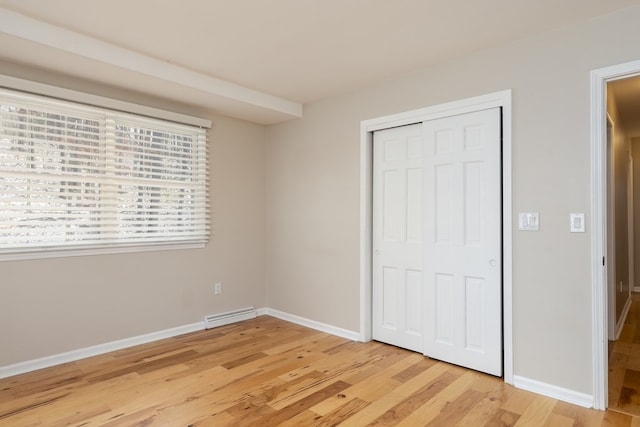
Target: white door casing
(463,240)
(397,237)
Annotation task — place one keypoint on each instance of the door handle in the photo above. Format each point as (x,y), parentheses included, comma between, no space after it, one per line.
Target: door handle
(492,262)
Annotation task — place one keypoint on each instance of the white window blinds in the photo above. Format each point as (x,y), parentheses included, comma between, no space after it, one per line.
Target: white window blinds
(74,177)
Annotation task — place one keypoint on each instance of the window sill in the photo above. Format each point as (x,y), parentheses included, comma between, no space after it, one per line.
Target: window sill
(95,250)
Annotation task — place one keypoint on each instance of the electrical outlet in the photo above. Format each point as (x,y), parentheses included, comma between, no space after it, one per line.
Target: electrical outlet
(217,288)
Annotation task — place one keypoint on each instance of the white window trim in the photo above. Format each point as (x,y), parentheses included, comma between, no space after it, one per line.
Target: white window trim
(97,250)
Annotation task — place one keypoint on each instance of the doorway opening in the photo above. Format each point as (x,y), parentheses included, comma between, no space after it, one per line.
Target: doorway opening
(623,155)
(368,127)
(611,218)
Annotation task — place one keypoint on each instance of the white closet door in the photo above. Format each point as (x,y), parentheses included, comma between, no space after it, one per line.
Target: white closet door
(397,237)
(463,240)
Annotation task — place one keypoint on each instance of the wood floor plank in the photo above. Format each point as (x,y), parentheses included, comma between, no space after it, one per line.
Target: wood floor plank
(556,420)
(616,419)
(518,401)
(365,391)
(340,414)
(454,411)
(220,419)
(633,361)
(414,370)
(617,368)
(352,365)
(407,406)
(267,372)
(294,344)
(622,347)
(503,418)
(585,417)
(434,406)
(484,410)
(537,412)
(628,333)
(258,416)
(624,364)
(372,411)
(427,377)
(45,380)
(303,419)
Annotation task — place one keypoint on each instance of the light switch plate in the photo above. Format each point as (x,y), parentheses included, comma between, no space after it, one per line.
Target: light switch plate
(529,221)
(576,222)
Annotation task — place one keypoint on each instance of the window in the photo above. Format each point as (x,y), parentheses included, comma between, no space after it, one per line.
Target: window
(78,177)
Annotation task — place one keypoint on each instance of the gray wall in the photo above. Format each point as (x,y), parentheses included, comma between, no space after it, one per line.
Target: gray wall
(52,306)
(286,215)
(312,169)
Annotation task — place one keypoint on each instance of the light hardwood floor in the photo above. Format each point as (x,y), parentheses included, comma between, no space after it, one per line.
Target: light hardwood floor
(268,372)
(624,364)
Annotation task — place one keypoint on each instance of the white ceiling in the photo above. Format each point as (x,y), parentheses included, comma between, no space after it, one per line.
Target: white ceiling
(262,60)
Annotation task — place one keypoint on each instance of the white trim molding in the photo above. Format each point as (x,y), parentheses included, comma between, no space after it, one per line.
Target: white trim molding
(555,392)
(124,249)
(599,79)
(70,356)
(623,318)
(318,326)
(367,127)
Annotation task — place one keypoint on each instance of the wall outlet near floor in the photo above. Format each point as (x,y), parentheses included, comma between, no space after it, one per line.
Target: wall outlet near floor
(217,288)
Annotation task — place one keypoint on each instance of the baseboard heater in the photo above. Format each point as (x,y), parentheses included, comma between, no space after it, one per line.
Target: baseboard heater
(221,319)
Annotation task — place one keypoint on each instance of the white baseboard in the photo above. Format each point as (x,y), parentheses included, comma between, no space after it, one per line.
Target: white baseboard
(319,326)
(549,390)
(534,386)
(70,356)
(636,289)
(622,319)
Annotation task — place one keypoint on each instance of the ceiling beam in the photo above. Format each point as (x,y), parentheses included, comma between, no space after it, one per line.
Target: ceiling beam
(27,28)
